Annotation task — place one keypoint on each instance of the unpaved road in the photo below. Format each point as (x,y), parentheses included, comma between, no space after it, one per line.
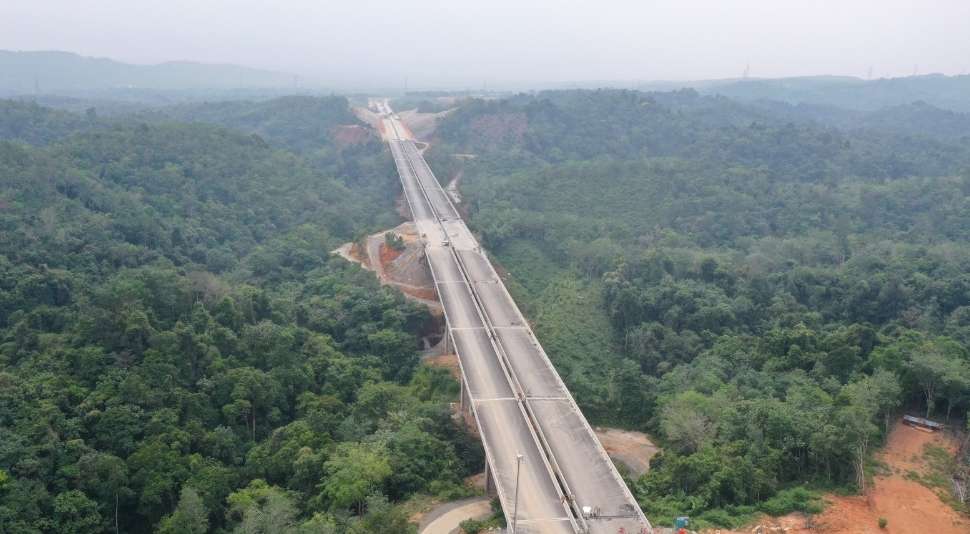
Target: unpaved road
(445,518)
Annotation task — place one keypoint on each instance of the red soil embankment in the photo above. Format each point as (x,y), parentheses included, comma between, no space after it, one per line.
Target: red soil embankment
(907,505)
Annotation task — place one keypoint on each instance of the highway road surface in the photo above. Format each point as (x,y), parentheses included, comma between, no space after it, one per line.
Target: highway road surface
(567,483)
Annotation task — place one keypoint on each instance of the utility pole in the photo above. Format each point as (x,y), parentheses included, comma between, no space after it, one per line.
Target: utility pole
(515,507)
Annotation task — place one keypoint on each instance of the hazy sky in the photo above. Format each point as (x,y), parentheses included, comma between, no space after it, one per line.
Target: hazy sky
(500,42)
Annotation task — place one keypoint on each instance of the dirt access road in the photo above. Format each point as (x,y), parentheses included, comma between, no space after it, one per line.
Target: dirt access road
(446,518)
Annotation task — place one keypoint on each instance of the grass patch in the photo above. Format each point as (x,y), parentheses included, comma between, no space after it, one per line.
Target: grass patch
(940,468)
(451,491)
(795,499)
(876,467)
(441,492)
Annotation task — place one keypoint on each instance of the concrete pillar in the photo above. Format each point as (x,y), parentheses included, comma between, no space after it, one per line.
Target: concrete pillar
(462,403)
(490,488)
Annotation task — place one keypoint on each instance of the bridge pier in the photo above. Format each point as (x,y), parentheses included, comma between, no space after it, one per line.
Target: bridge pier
(462,397)
(465,404)
(490,488)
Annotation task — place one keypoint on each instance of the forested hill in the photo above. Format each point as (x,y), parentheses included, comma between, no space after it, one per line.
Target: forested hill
(179,352)
(917,118)
(297,123)
(629,124)
(300,123)
(323,130)
(707,167)
(762,295)
(37,125)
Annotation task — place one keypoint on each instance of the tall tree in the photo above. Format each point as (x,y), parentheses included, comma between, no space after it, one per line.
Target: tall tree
(355,471)
(106,476)
(75,513)
(262,509)
(933,367)
(190,515)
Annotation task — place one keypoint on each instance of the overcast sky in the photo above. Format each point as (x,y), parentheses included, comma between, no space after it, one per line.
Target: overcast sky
(458,43)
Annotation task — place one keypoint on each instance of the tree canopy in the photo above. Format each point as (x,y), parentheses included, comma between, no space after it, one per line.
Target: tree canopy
(179,351)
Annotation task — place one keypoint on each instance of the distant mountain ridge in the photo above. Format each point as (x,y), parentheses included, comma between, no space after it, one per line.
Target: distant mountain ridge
(28,72)
(945,92)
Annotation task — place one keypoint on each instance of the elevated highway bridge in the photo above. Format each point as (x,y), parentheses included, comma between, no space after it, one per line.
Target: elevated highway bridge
(535,437)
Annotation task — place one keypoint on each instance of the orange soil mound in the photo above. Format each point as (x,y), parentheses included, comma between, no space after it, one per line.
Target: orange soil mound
(388,255)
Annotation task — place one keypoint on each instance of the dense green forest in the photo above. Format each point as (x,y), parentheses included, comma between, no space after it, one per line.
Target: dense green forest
(762,286)
(179,352)
(30,123)
(299,123)
(762,294)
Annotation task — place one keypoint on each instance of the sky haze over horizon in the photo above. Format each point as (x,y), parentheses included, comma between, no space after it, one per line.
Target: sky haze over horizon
(380,43)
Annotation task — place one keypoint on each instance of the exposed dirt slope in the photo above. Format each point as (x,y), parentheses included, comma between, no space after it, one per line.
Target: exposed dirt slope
(907,505)
(422,125)
(369,117)
(406,269)
(352,134)
(633,449)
